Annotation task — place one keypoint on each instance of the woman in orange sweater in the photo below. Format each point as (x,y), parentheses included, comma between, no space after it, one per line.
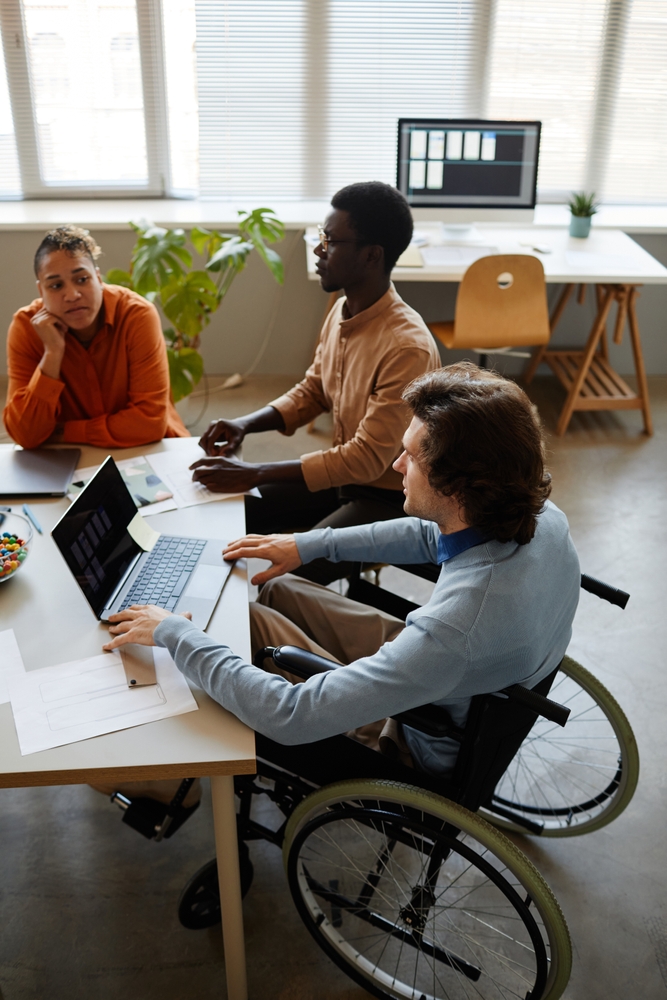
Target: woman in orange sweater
(87,361)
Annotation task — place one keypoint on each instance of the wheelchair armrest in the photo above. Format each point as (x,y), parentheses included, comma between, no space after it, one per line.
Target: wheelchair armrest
(551,710)
(298,661)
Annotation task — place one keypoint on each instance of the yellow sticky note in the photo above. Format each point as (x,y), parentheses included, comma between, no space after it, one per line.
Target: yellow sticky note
(143,534)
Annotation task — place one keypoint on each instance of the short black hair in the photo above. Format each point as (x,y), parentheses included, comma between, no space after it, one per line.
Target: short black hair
(72,239)
(379,215)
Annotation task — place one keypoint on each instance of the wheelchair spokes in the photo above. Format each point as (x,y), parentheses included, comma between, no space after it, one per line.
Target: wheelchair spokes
(575,779)
(416,911)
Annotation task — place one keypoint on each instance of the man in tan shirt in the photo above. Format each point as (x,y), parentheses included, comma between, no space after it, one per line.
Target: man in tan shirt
(371,345)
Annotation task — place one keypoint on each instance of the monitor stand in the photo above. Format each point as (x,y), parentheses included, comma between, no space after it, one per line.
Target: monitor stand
(461,233)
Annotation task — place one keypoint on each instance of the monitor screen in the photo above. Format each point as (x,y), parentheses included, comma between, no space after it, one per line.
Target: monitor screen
(467,163)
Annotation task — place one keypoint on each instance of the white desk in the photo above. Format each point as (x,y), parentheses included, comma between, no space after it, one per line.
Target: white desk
(53,623)
(608,259)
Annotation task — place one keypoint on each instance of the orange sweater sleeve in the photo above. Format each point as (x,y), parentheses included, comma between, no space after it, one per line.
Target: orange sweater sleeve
(144,419)
(33,399)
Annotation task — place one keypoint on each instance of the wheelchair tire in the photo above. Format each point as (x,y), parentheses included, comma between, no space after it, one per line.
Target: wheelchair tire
(481,923)
(576,779)
(199,905)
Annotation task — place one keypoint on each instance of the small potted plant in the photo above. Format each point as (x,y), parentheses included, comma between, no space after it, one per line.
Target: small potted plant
(583,207)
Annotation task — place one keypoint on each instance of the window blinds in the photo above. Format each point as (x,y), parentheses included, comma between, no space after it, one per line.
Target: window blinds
(636,168)
(544,64)
(295,98)
(300,97)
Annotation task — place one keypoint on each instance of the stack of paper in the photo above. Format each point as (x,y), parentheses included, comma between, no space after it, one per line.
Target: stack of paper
(74,701)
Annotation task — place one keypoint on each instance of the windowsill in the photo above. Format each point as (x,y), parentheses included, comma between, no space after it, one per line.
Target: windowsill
(112,214)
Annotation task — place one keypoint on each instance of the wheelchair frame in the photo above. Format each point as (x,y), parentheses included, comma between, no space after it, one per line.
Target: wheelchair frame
(339,782)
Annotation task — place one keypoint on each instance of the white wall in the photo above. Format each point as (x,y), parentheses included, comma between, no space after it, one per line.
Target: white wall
(231,342)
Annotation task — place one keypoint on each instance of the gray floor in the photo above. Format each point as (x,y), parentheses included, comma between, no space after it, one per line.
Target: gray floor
(88,908)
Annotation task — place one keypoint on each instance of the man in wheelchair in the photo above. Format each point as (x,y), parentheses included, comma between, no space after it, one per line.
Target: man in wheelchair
(501,612)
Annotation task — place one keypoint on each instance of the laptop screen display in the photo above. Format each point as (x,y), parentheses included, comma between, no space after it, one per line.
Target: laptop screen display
(93,538)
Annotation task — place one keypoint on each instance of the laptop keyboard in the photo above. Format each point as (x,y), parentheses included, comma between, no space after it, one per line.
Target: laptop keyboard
(165,573)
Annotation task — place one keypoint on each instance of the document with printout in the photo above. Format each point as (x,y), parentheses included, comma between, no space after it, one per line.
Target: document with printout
(11,663)
(173,469)
(149,493)
(75,701)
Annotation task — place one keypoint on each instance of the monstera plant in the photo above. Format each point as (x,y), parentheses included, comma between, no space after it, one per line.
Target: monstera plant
(161,270)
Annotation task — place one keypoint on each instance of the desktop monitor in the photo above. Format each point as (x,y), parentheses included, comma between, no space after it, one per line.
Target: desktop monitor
(464,170)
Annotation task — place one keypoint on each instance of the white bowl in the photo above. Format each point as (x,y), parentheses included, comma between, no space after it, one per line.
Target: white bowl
(15,530)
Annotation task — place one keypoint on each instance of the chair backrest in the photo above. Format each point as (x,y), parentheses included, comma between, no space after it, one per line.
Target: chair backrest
(502,302)
(494,731)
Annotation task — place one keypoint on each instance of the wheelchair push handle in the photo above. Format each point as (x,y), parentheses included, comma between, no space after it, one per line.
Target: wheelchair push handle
(551,710)
(604,591)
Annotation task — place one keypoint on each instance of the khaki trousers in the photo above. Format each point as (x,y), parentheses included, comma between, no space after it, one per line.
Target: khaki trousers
(297,612)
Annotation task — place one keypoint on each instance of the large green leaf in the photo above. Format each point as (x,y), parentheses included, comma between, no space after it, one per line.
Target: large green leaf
(118,277)
(186,368)
(261,225)
(207,242)
(158,256)
(233,253)
(188,302)
(263,222)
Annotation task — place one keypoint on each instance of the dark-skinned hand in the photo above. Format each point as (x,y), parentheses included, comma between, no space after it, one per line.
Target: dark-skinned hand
(225,475)
(229,431)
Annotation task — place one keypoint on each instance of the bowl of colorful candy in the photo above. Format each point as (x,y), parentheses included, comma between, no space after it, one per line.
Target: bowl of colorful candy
(15,542)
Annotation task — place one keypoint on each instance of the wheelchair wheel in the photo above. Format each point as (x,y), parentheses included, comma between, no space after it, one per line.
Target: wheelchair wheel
(577,779)
(199,905)
(415,897)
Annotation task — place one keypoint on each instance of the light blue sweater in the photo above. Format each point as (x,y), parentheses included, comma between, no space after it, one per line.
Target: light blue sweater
(500,614)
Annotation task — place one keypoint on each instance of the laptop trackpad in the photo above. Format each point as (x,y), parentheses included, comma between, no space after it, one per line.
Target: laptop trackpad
(206,582)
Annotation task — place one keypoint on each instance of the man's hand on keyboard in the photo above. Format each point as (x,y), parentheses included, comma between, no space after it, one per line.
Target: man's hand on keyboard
(281,550)
(137,624)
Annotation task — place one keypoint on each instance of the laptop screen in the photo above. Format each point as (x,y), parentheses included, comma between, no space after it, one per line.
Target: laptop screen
(93,538)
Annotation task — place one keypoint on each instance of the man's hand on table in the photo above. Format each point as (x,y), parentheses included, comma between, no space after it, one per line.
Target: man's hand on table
(225,475)
(137,624)
(222,437)
(281,550)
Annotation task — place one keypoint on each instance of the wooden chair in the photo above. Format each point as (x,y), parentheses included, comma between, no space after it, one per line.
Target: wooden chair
(501,304)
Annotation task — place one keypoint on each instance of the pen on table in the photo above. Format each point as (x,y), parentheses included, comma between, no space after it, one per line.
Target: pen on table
(31,517)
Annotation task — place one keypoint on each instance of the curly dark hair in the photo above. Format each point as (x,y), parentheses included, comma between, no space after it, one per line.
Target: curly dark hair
(72,239)
(379,215)
(484,446)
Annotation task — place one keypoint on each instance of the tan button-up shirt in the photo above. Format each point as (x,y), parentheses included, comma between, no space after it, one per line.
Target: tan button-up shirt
(360,368)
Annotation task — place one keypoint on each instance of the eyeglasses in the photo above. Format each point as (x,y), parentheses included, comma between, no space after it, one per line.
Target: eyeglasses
(326,240)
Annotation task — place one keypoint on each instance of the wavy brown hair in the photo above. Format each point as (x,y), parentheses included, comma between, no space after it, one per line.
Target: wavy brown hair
(484,446)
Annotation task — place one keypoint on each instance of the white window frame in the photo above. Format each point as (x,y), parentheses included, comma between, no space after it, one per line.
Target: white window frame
(149,21)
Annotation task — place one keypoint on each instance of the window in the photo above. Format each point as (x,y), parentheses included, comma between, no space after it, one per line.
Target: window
(295,98)
(10,180)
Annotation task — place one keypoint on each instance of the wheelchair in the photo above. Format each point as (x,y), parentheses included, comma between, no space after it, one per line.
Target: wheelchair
(408,881)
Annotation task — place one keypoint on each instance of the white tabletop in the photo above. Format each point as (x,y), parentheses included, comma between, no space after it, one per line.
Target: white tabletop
(53,623)
(606,256)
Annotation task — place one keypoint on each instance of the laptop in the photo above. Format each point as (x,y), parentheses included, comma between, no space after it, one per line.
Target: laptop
(114,571)
(38,472)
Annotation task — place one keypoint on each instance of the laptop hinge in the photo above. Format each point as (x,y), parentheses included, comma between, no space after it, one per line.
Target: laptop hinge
(122,583)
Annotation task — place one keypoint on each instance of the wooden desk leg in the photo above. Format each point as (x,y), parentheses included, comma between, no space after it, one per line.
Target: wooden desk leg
(224,818)
(642,384)
(598,326)
(538,356)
